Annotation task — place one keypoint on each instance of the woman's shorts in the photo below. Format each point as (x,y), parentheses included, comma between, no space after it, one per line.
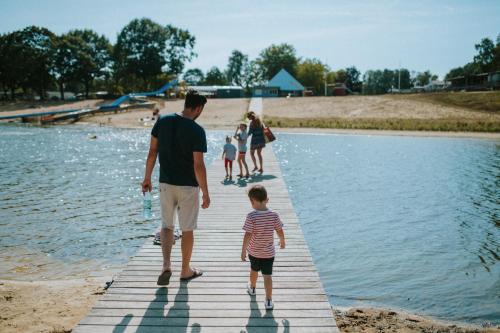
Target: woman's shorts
(265,265)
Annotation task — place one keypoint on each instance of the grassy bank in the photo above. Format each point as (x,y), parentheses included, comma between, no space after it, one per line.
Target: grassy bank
(399,124)
(488,101)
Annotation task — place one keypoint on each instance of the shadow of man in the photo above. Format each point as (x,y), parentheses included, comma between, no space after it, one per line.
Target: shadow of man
(122,325)
(259,323)
(177,316)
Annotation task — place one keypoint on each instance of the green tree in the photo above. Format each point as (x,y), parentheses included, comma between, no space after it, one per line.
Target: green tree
(311,73)
(276,57)
(404,80)
(486,54)
(377,81)
(194,77)
(215,77)
(423,78)
(352,79)
(179,49)
(145,49)
(97,50)
(26,60)
(236,68)
(69,57)
(341,76)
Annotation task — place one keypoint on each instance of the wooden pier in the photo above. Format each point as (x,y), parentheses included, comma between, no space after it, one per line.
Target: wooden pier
(217,301)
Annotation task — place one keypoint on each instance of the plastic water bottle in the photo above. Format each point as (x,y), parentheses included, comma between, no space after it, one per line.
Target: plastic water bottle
(146,206)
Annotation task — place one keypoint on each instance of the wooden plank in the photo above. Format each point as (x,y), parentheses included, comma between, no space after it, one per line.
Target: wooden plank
(242,304)
(204,322)
(184,310)
(217,301)
(212,299)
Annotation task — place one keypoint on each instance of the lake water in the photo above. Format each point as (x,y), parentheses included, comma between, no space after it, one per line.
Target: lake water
(405,222)
(67,198)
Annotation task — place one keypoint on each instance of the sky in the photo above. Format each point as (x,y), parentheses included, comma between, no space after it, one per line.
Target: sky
(372,34)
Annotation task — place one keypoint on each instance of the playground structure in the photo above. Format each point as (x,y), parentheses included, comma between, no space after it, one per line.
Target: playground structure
(75,114)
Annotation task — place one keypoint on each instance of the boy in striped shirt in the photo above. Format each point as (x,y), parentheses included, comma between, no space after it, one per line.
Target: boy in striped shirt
(259,227)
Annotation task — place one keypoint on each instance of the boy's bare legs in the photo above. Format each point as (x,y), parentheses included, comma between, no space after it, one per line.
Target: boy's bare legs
(259,153)
(167,240)
(268,285)
(231,171)
(225,167)
(253,278)
(252,155)
(187,243)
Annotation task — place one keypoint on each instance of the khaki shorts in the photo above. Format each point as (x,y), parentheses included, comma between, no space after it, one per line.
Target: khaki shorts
(180,201)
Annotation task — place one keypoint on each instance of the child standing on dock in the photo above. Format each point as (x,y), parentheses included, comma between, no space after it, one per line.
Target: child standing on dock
(241,136)
(228,155)
(259,227)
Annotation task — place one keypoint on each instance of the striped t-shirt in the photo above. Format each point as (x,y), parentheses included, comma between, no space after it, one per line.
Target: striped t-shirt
(262,224)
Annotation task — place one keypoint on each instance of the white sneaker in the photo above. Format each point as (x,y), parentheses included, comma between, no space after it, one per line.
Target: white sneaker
(269,305)
(251,290)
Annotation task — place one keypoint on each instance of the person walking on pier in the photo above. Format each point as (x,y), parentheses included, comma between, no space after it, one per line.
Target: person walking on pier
(258,140)
(179,142)
(258,242)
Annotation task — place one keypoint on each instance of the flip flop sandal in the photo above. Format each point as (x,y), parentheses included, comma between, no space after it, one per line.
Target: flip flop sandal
(196,273)
(164,278)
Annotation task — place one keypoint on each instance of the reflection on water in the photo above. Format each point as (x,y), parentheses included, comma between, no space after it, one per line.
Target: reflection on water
(68,199)
(400,221)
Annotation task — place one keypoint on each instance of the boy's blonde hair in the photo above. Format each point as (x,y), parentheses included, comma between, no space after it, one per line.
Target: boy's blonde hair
(258,193)
(244,125)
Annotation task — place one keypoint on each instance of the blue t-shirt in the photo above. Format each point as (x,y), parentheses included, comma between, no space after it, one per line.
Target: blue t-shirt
(178,138)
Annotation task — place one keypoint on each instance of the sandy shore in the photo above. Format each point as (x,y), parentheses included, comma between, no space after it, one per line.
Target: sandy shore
(46,306)
(383,320)
(381,106)
(218,114)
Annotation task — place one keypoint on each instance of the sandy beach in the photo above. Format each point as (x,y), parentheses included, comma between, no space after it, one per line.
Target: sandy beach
(46,306)
(381,106)
(371,320)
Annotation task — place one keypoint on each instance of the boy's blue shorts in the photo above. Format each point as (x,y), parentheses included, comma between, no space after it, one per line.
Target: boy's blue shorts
(265,265)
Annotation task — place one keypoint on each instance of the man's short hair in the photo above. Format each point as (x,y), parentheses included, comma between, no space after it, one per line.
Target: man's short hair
(258,193)
(194,100)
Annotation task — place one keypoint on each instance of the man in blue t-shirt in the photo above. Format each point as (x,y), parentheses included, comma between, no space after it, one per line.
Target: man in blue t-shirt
(179,142)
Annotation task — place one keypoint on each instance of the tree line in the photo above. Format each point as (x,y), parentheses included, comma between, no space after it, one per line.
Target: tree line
(35,60)
(486,60)
(147,54)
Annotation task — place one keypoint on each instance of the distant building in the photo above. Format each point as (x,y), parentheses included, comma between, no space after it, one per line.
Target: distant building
(219,91)
(282,84)
(483,81)
(435,85)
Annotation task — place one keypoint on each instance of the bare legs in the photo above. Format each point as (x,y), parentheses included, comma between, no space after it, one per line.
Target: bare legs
(253,278)
(268,283)
(252,155)
(187,250)
(241,163)
(259,154)
(167,240)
